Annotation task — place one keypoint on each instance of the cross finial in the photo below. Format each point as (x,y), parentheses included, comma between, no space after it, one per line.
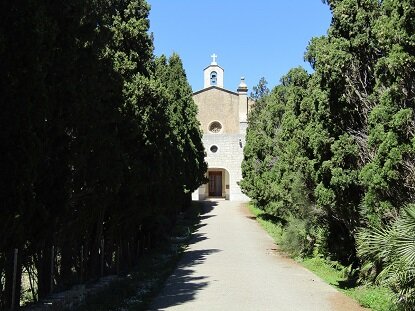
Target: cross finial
(214,56)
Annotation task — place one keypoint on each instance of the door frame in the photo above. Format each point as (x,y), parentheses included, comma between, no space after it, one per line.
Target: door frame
(217,190)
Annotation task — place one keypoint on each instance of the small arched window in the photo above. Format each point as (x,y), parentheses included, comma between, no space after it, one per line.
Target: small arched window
(213,78)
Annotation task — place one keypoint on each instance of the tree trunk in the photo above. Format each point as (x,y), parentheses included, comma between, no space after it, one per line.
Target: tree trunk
(66,264)
(12,281)
(44,271)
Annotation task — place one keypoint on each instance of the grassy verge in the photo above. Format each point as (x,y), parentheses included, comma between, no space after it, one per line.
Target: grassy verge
(369,296)
(137,289)
(274,229)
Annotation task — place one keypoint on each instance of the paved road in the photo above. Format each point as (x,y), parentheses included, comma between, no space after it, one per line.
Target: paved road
(232,264)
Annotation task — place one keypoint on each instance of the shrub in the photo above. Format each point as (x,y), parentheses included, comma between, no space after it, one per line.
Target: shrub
(392,248)
(296,239)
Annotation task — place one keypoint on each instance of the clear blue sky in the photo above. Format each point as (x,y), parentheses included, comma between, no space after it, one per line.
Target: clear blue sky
(254,39)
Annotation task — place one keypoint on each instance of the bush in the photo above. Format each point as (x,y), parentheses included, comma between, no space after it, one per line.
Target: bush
(393,250)
(296,239)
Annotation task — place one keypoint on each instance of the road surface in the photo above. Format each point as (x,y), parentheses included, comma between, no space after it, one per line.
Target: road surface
(233,264)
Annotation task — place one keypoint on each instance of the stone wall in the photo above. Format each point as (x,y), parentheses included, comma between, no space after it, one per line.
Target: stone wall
(229,156)
(216,104)
(230,110)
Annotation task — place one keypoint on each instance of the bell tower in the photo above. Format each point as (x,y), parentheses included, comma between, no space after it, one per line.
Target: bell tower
(213,74)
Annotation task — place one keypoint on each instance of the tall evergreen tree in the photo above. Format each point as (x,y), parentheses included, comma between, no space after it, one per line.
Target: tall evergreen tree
(93,137)
(345,141)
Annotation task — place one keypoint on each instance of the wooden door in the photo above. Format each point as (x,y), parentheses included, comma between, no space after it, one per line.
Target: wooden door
(215,184)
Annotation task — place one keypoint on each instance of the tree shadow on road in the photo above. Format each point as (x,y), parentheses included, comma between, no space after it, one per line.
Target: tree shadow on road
(202,217)
(182,285)
(205,206)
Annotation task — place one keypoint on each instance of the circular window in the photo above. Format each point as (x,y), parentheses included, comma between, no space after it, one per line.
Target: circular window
(215,127)
(214,148)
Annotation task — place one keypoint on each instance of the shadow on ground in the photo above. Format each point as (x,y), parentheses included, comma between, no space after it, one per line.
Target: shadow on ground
(206,206)
(182,286)
(268,217)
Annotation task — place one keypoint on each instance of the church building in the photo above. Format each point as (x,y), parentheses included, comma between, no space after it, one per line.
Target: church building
(223,118)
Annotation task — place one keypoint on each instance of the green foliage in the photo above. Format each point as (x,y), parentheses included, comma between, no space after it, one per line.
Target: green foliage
(262,154)
(333,152)
(389,175)
(393,249)
(95,130)
(260,91)
(294,239)
(273,228)
(187,138)
(376,298)
(137,289)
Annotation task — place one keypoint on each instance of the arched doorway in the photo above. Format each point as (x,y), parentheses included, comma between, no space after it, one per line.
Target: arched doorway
(217,185)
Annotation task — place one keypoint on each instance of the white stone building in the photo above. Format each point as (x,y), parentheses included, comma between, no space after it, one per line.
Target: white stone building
(223,118)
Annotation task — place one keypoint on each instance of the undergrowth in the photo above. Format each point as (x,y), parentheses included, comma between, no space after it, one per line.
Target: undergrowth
(135,291)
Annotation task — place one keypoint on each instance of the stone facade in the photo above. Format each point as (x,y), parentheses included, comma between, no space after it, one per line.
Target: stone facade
(218,100)
(223,118)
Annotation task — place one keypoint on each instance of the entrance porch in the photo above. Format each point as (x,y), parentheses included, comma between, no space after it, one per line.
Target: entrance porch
(216,187)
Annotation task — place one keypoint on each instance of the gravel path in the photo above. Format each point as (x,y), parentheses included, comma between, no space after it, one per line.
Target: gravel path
(232,264)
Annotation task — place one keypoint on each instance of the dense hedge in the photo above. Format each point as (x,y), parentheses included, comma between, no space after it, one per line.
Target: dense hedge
(101,145)
(333,152)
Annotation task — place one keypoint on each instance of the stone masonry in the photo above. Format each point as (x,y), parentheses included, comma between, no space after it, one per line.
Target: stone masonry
(223,119)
